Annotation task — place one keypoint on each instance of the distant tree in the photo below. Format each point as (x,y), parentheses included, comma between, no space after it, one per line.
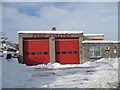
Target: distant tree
(5,42)
(3,38)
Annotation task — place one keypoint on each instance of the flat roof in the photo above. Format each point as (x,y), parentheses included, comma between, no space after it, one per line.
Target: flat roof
(56,32)
(93,34)
(102,41)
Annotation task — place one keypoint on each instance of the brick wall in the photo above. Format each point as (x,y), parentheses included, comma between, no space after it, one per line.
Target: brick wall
(107,50)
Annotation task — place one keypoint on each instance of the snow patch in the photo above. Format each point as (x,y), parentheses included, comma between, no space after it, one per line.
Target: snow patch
(13,73)
(56,32)
(93,34)
(53,66)
(102,41)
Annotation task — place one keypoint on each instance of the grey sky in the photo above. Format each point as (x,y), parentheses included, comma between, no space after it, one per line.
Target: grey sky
(89,17)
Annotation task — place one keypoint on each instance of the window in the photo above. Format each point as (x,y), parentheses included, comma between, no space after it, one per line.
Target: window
(33,53)
(107,48)
(75,52)
(27,53)
(69,52)
(64,52)
(39,53)
(45,53)
(95,52)
(57,52)
(115,50)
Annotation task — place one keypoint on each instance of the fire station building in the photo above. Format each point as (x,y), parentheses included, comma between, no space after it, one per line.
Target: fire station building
(64,47)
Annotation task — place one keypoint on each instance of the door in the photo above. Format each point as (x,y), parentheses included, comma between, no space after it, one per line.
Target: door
(36,51)
(67,51)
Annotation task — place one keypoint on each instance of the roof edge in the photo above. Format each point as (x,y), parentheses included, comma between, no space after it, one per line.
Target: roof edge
(50,32)
(93,34)
(102,41)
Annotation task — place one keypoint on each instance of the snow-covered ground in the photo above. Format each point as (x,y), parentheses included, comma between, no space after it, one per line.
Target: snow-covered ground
(102,73)
(0,70)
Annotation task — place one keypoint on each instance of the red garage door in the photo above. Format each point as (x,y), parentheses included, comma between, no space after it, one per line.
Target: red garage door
(36,51)
(67,51)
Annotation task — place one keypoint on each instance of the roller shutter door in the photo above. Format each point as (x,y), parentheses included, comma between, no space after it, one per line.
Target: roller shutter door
(36,51)
(67,51)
